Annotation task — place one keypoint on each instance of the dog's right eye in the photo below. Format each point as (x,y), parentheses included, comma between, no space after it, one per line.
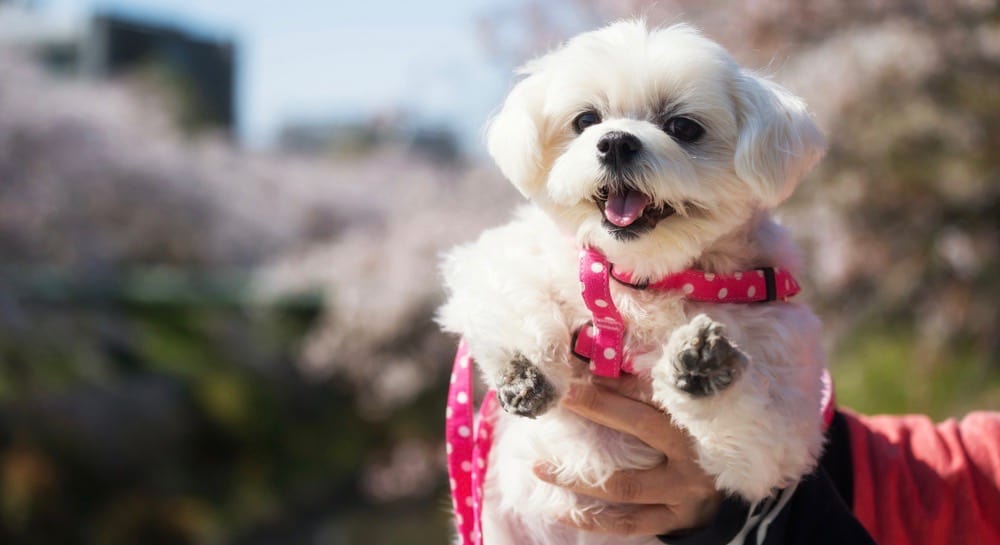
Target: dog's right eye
(585,120)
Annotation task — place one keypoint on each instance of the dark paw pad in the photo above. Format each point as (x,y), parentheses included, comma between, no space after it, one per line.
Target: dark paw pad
(523,390)
(708,363)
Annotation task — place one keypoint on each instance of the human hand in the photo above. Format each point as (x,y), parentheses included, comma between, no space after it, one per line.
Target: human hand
(675,495)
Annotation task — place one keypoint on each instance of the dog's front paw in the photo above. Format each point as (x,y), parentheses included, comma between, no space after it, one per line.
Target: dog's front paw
(523,390)
(707,362)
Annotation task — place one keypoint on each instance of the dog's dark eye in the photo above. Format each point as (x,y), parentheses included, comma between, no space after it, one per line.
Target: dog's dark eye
(585,120)
(683,129)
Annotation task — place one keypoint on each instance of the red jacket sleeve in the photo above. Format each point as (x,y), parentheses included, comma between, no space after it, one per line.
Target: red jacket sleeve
(917,483)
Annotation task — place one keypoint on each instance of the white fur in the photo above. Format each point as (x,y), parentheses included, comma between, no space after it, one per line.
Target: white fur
(516,291)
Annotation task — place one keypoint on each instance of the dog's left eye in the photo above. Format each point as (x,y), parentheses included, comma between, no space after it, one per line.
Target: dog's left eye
(683,129)
(585,120)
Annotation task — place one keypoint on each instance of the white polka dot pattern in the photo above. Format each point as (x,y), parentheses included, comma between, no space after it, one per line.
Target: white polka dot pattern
(601,340)
(608,327)
(467,439)
(737,287)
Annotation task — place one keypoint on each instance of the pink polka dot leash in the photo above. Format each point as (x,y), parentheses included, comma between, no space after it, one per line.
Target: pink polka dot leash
(468,447)
(468,435)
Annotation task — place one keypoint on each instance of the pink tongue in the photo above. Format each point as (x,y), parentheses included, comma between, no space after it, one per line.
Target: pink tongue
(622,209)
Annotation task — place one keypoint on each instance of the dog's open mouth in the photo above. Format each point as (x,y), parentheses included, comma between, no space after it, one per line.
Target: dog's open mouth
(629,212)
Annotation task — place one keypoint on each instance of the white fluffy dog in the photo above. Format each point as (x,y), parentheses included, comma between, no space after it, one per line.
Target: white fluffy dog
(655,148)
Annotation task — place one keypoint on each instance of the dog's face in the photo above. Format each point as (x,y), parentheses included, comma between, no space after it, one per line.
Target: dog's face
(650,145)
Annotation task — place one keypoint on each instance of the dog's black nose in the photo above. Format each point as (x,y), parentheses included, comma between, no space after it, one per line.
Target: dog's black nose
(618,148)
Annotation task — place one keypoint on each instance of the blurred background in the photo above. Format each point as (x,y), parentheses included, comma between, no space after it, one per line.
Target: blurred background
(220,222)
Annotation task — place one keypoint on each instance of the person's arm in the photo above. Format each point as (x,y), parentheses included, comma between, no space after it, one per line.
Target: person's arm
(920,483)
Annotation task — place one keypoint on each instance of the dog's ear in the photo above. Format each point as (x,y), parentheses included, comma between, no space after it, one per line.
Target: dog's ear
(778,142)
(515,135)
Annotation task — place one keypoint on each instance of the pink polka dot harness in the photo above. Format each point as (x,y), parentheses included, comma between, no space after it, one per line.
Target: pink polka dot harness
(468,437)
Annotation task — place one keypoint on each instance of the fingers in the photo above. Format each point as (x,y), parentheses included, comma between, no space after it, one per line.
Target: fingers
(647,520)
(648,502)
(676,494)
(659,485)
(616,411)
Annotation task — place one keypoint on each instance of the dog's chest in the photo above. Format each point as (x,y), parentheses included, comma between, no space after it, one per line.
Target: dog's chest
(649,317)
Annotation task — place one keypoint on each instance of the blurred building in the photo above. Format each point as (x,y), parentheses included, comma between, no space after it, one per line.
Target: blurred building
(200,70)
(196,72)
(352,139)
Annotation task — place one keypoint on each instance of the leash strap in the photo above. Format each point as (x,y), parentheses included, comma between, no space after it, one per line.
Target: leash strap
(467,444)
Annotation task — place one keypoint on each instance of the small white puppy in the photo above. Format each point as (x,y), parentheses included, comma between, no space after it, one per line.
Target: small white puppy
(655,148)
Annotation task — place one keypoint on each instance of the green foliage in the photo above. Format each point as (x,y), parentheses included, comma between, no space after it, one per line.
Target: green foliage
(878,370)
(168,411)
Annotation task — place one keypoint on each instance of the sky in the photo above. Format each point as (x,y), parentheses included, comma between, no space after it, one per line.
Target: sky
(316,60)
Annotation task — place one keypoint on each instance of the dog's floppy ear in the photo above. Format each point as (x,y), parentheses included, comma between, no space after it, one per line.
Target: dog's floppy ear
(514,136)
(778,141)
